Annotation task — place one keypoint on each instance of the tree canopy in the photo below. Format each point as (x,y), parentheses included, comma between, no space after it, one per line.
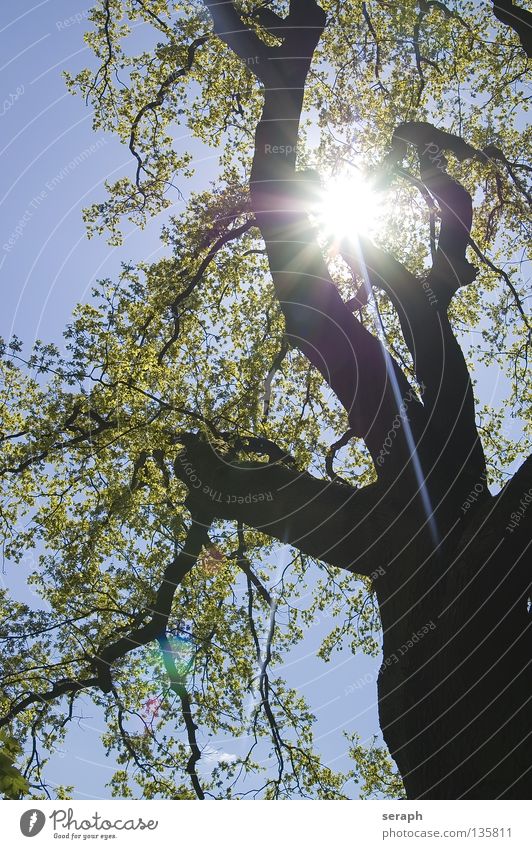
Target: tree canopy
(203,419)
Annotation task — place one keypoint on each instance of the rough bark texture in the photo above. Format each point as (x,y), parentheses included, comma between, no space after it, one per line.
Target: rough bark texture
(455,707)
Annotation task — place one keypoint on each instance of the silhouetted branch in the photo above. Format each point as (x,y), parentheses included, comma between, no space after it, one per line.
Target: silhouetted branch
(519,19)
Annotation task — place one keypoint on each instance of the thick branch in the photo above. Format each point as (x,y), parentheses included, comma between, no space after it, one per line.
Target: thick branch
(520,20)
(451,269)
(332,522)
(381,269)
(229,26)
(452,446)
(351,360)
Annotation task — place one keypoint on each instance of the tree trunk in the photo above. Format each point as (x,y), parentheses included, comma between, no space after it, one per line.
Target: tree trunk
(455,686)
(450,572)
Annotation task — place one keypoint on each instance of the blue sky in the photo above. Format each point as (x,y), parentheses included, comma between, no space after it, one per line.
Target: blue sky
(52,266)
(47,266)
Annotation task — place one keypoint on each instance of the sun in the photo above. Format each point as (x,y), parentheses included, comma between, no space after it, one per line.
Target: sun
(349,205)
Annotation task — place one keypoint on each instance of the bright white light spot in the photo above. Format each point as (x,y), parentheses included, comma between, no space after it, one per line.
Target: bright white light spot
(349,206)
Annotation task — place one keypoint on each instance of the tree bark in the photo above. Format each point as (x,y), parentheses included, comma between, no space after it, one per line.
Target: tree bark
(455,684)
(455,703)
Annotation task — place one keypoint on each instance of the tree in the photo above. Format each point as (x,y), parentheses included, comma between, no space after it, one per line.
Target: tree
(196,421)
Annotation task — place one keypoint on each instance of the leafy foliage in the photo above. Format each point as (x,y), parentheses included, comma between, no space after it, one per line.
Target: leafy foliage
(13,785)
(91,440)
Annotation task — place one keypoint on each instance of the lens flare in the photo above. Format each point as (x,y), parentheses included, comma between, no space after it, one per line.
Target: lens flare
(349,204)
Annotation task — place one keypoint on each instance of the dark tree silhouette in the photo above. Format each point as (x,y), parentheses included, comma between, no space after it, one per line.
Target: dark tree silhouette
(455,712)
(455,709)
